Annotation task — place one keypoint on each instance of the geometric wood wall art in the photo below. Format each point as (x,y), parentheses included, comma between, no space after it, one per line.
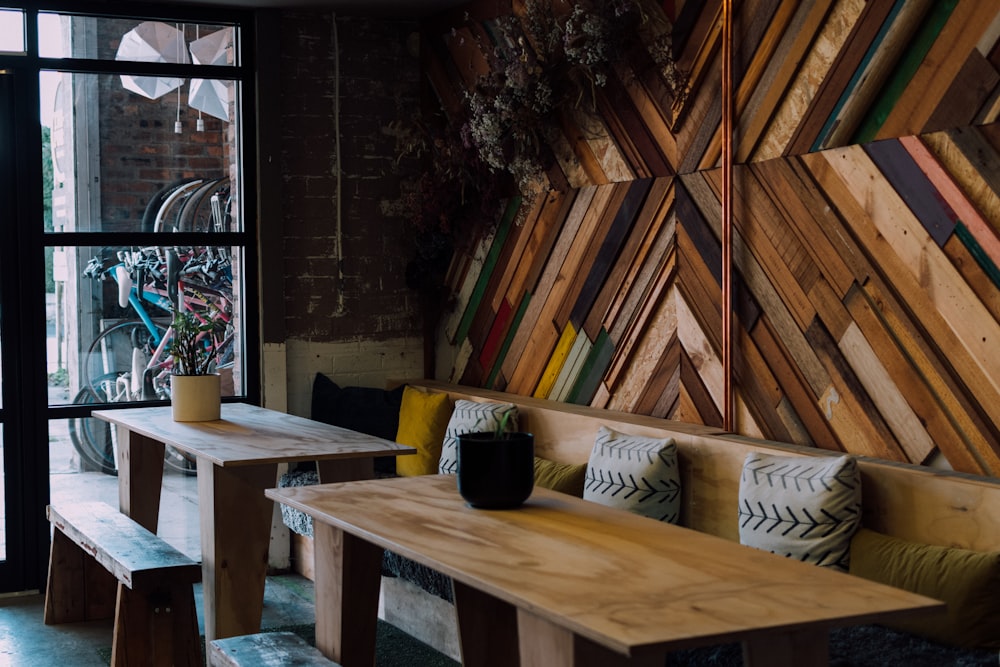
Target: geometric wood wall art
(866,242)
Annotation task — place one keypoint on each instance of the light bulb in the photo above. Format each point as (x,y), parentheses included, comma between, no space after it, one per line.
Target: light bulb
(178,128)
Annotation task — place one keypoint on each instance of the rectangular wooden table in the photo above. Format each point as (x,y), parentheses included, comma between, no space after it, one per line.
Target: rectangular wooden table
(238,459)
(562,581)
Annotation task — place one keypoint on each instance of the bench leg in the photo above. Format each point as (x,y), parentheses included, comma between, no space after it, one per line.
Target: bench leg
(78,588)
(487,628)
(158,627)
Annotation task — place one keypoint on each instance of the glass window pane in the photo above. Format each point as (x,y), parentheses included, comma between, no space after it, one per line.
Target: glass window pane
(123,162)
(11,31)
(113,316)
(126,39)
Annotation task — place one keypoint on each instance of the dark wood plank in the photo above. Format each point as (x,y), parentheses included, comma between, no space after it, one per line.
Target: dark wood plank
(914,187)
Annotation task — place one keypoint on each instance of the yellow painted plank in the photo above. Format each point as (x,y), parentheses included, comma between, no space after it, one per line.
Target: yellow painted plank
(556,362)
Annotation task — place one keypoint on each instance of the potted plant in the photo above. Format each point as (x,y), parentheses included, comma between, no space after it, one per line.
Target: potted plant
(496,468)
(194,385)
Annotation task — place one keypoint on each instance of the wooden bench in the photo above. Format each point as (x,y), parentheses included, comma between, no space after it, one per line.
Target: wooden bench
(96,549)
(265,649)
(915,503)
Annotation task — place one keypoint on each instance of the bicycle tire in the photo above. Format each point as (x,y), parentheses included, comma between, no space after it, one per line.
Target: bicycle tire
(196,213)
(91,437)
(110,353)
(167,216)
(154,204)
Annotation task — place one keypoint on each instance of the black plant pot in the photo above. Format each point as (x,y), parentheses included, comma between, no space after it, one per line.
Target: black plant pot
(496,474)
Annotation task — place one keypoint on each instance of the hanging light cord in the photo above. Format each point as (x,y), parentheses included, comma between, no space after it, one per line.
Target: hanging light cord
(336,133)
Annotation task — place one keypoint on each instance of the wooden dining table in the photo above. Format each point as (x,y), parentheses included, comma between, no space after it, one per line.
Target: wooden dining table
(237,459)
(562,581)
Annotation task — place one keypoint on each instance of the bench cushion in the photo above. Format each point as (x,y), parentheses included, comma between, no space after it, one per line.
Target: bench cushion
(473,417)
(801,507)
(564,477)
(968,581)
(423,420)
(635,473)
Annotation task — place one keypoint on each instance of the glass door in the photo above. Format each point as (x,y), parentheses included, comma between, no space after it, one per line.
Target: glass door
(127,196)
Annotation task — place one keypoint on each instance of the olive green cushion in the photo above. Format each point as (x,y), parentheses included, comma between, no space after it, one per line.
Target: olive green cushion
(968,581)
(565,477)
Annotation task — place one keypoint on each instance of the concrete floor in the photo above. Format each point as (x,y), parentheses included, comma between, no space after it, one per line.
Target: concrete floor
(25,641)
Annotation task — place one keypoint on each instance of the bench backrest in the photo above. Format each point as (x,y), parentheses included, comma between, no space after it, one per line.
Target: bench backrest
(910,502)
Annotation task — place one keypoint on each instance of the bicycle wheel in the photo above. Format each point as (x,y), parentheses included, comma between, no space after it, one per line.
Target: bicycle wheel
(196,212)
(92,438)
(113,354)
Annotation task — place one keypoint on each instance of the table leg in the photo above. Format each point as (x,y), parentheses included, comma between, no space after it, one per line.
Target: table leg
(347,582)
(235,537)
(140,477)
(487,628)
(543,643)
(803,647)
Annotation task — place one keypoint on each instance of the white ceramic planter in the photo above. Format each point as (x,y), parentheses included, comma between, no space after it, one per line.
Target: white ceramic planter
(195,398)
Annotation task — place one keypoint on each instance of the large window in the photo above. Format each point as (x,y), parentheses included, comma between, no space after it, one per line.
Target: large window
(134,205)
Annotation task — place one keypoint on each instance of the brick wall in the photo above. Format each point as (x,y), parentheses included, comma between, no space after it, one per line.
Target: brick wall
(364,296)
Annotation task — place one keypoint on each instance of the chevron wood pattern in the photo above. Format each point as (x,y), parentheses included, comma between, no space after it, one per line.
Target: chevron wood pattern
(866,241)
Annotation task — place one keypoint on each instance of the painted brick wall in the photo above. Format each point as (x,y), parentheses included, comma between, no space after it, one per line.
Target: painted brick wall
(364,296)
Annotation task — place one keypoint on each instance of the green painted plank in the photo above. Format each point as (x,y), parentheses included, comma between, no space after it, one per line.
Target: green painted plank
(908,65)
(982,259)
(503,230)
(856,77)
(515,323)
(593,370)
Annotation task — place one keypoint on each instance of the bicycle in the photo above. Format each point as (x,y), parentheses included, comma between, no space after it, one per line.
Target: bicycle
(129,361)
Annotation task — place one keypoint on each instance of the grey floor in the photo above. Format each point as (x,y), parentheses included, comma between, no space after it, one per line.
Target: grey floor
(25,641)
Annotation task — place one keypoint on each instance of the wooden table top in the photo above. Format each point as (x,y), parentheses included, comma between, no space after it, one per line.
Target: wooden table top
(625,581)
(250,435)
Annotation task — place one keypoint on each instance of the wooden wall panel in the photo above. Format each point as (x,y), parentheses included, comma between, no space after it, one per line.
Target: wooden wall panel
(866,241)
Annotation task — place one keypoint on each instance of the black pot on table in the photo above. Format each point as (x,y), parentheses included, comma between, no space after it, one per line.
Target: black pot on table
(496,473)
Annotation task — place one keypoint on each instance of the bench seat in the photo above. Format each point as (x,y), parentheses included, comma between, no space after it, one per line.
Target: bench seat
(96,549)
(266,649)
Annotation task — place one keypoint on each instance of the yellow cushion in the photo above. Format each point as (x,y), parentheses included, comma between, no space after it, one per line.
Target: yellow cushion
(423,418)
(968,581)
(564,477)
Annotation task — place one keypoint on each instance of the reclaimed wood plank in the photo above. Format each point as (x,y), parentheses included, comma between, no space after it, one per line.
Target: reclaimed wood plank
(592,372)
(981,230)
(980,432)
(548,273)
(910,183)
(556,362)
(804,210)
(608,252)
(973,88)
(586,251)
(843,74)
(944,431)
(634,250)
(847,405)
(571,370)
(959,35)
(795,388)
(902,75)
(637,356)
(817,45)
(919,271)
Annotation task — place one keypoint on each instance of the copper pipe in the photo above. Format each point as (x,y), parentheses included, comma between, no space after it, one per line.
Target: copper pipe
(727,215)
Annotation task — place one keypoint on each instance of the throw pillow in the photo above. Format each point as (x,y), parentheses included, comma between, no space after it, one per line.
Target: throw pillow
(564,477)
(968,581)
(472,417)
(363,409)
(423,418)
(635,473)
(802,507)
